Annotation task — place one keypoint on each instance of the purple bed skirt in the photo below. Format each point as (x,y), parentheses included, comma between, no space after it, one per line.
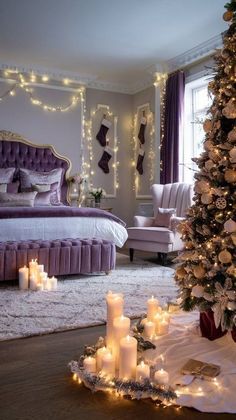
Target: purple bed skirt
(60,257)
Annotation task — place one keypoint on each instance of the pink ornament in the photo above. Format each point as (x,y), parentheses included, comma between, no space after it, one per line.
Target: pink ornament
(230,226)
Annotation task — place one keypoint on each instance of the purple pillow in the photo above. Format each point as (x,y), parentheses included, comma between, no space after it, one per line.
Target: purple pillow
(29,178)
(163,217)
(52,189)
(6,175)
(13,187)
(43,199)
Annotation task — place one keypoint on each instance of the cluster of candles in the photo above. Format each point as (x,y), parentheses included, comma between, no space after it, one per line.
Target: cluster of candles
(35,278)
(120,354)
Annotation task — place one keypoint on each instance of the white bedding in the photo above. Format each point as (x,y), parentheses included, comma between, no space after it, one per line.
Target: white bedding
(47,228)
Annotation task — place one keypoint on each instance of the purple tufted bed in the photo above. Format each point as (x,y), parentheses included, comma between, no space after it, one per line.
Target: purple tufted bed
(34,230)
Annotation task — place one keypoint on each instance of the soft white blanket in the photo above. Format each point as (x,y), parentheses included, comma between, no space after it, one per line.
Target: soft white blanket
(184,342)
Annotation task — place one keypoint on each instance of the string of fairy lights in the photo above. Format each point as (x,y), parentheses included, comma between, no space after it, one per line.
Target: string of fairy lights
(160,81)
(89,166)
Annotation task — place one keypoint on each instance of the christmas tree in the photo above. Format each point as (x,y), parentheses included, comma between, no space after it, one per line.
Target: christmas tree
(206,275)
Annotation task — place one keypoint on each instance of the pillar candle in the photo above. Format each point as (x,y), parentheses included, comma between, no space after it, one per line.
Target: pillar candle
(40,287)
(163,327)
(33,267)
(128,357)
(108,364)
(142,372)
(53,282)
(99,355)
(33,281)
(43,279)
(23,278)
(115,303)
(121,327)
(89,364)
(161,377)
(152,307)
(157,320)
(149,329)
(166,316)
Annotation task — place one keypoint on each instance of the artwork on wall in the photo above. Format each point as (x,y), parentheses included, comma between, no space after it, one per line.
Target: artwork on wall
(143,150)
(100,152)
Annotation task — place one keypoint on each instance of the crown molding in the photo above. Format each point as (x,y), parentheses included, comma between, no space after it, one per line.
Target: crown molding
(194,54)
(92,81)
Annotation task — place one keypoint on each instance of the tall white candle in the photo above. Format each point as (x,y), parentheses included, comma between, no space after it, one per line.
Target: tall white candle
(23,278)
(99,355)
(149,329)
(89,364)
(33,267)
(157,320)
(128,357)
(108,364)
(121,327)
(33,281)
(163,327)
(142,372)
(115,303)
(161,377)
(152,307)
(43,279)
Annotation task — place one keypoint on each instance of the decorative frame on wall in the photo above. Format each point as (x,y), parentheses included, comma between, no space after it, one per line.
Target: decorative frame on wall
(149,159)
(92,146)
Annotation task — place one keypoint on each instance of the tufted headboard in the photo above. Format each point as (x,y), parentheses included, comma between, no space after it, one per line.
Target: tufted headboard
(16,151)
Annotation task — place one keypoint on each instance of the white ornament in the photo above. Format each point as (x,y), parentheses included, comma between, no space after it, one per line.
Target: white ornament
(221,203)
(197,291)
(230,226)
(206,198)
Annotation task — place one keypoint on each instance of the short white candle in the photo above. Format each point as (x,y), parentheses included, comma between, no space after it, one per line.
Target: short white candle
(33,281)
(152,307)
(48,285)
(115,303)
(163,327)
(99,355)
(166,316)
(23,278)
(149,329)
(121,327)
(108,364)
(157,320)
(53,283)
(33,267)
(142,372)
(128,357)
(161,377)
(40,287)
(89,364)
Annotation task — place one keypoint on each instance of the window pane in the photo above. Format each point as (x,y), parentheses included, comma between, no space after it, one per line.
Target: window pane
(201,98)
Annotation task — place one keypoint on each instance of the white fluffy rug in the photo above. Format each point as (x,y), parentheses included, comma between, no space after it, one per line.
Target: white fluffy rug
(80,301)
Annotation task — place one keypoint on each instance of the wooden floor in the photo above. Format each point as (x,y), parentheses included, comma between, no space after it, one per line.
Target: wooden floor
(35,384)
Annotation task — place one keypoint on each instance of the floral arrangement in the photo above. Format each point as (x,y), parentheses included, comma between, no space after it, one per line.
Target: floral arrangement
(97,193)
(75,179)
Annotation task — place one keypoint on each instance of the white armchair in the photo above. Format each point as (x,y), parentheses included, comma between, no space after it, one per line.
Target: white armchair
(146,237)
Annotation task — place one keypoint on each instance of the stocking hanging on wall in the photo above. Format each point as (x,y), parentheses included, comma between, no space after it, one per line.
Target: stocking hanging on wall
(141,134)
(103,162)
(101,135)
(139,166)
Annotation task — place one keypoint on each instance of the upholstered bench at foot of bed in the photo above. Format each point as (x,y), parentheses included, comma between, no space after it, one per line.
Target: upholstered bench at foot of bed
(60,257)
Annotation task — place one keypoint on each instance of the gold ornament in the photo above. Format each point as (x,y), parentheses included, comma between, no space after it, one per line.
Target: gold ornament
(201,187)
(233,237)
(232,154)
(227,16)
(221,203)
(199,271)
(225,257)
(229,110)
(231,270)
(208,145)
(209,164)
(214,155)
(230,176)
(206,198)
(207,125)
(232,135)
(180,272)
(197,291)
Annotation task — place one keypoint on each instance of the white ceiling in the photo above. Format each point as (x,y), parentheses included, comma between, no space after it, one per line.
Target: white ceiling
(115,41)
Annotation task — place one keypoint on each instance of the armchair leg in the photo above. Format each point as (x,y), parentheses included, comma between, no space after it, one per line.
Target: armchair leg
(163,258)
(131,254)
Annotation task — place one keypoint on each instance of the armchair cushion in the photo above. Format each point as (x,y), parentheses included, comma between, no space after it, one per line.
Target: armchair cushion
(142,221)
(163,217)
(151,234)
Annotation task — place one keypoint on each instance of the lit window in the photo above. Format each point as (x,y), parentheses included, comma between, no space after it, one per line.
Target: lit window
(197,103)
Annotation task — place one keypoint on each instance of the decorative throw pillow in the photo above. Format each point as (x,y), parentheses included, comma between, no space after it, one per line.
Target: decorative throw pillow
(28,178)
(43,199)
(52,189)
(18,200)
(3,188)
(13,187)
(6,175)
(163,217)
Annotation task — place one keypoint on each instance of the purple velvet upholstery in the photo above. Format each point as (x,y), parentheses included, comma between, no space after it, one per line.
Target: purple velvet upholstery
(20,155)
(60,257)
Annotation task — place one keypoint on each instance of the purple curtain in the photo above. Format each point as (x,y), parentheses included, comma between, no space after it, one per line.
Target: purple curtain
(174,107)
